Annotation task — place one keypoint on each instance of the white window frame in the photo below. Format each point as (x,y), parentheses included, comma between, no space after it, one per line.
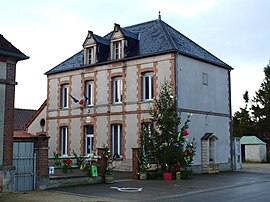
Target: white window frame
(205,79)
(117,50)
(90,55)
(148,80)
(117,90)
(89,92)
(64,140)
(118,128)
(64,96)
(89,136)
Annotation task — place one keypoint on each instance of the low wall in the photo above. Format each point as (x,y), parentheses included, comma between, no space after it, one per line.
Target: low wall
(74,177)
(65,181)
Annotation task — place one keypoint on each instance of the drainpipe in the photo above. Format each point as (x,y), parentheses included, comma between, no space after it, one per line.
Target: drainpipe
(231,128)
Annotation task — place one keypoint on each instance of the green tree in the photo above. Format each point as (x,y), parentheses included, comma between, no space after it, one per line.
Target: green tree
(261,107)
(169,145)
(242,124)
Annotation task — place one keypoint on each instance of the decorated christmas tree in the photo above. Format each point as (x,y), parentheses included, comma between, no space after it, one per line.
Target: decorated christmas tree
(167,144)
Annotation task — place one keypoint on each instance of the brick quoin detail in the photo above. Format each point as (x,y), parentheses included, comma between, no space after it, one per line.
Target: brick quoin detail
(109,101)
(155,79)
(172,75)
(9,116)
(139,96)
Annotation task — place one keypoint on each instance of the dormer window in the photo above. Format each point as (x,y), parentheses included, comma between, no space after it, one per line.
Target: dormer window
(90,55)
(117,50)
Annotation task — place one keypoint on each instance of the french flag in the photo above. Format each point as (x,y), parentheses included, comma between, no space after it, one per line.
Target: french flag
(74,99)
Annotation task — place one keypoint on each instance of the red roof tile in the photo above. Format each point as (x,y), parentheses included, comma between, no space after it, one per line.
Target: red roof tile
(22,134)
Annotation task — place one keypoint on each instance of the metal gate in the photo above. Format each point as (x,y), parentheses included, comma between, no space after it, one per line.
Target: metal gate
(24,161)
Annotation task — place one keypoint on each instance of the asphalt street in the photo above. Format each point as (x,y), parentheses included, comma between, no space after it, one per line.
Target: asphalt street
(249,185)
(237,186)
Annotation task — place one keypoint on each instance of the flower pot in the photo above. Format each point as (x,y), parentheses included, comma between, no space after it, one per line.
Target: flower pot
(167,176)
(108,179)
(143,176)
(178,175)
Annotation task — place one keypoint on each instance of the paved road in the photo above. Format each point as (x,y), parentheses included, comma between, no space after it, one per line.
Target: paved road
(228,186)
(237,186)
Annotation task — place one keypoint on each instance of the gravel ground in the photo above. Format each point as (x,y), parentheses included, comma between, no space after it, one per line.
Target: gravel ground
(256,167)
(47,196)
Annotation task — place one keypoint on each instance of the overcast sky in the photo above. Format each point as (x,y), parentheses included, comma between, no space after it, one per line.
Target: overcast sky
(50,31)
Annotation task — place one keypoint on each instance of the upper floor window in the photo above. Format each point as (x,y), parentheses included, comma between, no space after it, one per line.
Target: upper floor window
(89,93)
(148,86)
(117,50)
(117,90)
(64,140)
(205,79)
(89,138)
(116,140)
(64,96)
(90,55)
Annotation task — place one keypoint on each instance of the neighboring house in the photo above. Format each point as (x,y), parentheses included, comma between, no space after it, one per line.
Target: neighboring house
(36,124)
(28,123)
(102,94)
(21,117)
(9,56)
(253,149)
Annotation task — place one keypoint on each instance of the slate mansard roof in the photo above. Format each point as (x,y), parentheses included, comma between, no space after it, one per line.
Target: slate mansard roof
(154,37)
(7,49)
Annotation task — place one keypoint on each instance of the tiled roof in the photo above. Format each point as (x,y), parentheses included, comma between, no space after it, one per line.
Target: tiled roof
(34,116)
(21,117)
(154,37)
(22,134)
(251,140)
(7,49)
(101,39)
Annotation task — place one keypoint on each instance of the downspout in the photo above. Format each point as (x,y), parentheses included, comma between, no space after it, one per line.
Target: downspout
(230,116)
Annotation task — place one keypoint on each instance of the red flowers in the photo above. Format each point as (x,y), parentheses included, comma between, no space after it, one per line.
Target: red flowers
(185,132)
(67,162)
(178,166)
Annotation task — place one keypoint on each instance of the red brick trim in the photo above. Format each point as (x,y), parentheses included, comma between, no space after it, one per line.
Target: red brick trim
(155,79)
(117,74)
(147,69)
(139,96)
(9,116)
(95,91)
(172,73)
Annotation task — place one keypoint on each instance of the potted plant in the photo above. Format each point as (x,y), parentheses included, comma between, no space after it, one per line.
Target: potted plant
(108,175)
(143,166)
(64,165)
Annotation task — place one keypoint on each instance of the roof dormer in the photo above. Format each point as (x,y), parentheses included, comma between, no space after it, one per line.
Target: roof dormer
(122,43)
(89,49)
(95,48)
(117,43)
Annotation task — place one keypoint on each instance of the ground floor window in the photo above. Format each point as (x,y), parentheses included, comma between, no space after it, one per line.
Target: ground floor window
(89,139)
(116,140)
(64,141)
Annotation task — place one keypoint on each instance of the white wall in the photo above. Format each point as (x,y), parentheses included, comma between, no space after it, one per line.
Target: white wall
(208,104)
(192,94)
(35,127)
(252,153)
(262,149)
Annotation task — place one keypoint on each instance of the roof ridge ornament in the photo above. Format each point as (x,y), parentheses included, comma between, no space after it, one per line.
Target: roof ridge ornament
(159,15)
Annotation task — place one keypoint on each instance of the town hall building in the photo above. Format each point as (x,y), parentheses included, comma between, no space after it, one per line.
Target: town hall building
(102,94)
